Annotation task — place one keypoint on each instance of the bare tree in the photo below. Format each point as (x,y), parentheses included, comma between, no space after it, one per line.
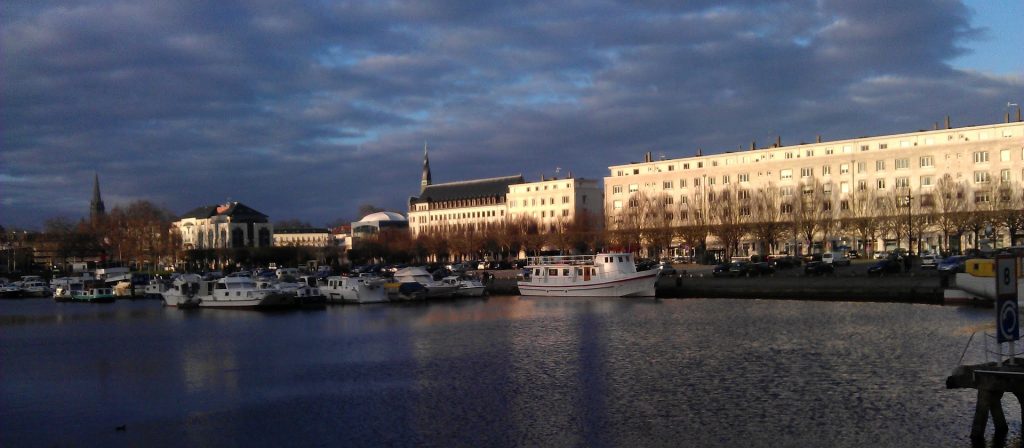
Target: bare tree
(767,225)
(1010,210)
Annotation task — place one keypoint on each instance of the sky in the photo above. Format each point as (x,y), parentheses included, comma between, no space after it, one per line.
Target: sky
(307,110)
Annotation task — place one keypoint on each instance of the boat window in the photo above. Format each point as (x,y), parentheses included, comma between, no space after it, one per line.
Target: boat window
(536,272)
(620,258)
(553,272)
(565,272)
(579,271)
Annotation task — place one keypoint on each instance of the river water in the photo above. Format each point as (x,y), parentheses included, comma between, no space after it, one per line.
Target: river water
(501,371)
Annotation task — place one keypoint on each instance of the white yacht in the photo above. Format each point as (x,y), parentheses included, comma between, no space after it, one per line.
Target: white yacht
(435,289)
(362,289)
(35,288)
(184,291)
(466,287)
(601,275)
(242,292)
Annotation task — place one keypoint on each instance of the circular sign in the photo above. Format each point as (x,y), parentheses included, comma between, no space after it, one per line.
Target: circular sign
(1008,321)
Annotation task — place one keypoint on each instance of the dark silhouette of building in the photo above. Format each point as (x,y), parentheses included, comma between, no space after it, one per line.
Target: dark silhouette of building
(96,209)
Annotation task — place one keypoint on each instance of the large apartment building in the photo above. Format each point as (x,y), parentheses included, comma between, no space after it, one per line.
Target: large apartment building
(556,203)
(844,176)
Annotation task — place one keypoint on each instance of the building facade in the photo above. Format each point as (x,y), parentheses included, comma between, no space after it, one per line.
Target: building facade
(229,225)
(925,175)
(553,204)
(300,237)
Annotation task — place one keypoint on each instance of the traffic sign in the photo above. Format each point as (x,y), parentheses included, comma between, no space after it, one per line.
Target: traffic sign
(1007,314)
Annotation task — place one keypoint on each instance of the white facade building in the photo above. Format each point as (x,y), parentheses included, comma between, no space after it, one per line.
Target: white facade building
(229,225)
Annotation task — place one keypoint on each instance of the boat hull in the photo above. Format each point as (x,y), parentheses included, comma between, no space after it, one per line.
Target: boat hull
(640,284)
(271,301)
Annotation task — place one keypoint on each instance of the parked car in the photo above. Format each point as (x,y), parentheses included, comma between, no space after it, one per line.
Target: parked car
(762,268)
(784,261)
(930,261)
(721,270)
(954,264)
(819,268)
(835,258)
(881,255)
(742,269)
(886,266)
(853,255)
(666,268)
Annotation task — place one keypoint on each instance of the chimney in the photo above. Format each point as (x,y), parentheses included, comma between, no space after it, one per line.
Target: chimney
(542,177)
(1007,117)
(935,126)
(1018,113)
(947,122)
(778,141)
(818,140)
(753,145)
(699,152)
(570,175)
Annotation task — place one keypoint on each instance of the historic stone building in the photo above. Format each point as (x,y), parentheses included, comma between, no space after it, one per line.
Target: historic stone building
(229,225)
(549,204)
(302,237)
(829,183)
(455,206)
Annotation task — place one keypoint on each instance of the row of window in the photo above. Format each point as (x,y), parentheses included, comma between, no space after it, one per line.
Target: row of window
(533,202)
(811,152)
(553,187)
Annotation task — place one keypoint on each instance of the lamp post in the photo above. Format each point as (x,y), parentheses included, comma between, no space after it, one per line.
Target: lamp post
(910,225)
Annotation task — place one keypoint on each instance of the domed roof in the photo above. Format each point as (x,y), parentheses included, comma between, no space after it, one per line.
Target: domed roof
(384,216)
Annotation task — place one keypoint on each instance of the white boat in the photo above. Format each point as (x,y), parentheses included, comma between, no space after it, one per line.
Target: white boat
(305,291)
(11,291)
(242,292)
(36,288)
(362,289)
(466,287)
(435,289)
(601,275)
(155,288)
(184,291)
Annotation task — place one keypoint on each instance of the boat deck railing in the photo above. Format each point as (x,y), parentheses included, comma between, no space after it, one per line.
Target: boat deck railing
(574,260)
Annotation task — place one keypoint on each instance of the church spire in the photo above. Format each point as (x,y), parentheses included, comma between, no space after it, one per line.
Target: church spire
(96,208)
(425,181)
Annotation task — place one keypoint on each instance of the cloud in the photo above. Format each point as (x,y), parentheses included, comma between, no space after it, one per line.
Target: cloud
(309,110)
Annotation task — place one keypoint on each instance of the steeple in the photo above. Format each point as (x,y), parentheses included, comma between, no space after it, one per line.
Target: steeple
(425,181)
(96,208)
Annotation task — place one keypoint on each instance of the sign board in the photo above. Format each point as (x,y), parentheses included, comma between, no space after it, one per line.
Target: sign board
(1007,315)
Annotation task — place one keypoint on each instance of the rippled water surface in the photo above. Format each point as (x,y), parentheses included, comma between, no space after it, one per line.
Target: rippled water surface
(504,371)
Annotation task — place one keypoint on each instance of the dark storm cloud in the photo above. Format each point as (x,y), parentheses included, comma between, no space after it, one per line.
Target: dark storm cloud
(308,110)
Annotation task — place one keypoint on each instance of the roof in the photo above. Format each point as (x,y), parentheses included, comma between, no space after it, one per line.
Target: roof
(383,216)
(469,189)
(236,210)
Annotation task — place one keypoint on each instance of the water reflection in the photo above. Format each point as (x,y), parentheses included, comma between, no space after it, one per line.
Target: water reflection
(502,371)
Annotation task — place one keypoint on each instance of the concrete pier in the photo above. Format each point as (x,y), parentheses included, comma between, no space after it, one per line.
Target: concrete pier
(991,381)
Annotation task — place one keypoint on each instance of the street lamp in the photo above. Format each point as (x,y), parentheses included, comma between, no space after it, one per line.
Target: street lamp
(910,225)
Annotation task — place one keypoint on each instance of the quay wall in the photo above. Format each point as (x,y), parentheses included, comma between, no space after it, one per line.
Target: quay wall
(896,288)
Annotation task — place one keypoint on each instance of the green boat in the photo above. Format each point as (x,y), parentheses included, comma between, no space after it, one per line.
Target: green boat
(101,294)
